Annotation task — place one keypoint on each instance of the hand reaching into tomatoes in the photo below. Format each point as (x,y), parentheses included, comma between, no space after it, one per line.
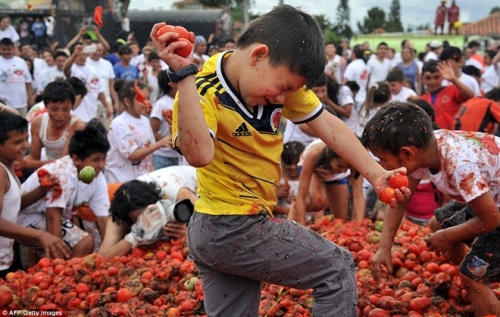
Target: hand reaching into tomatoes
(174,44)
(438,242)
(381,260)
(53,246)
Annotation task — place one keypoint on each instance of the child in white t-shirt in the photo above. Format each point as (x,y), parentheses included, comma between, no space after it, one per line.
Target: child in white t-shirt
(130,136)
(396,80)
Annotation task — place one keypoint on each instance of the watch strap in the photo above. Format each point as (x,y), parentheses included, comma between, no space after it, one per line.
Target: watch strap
(182,73)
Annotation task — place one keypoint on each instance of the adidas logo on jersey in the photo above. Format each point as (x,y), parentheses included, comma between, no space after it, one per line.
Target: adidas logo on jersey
(242,130)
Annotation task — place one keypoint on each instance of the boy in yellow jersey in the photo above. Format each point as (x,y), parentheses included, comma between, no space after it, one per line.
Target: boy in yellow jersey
(225,122)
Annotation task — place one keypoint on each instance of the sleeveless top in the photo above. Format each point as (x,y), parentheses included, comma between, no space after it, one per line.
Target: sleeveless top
(334,67)
(53,148)
(410,72)
(10,210)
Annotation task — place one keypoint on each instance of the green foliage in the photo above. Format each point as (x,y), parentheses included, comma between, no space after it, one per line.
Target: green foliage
(323,22)
(394,21)
(375,19)
(342,27)
(215,3)
(495,9)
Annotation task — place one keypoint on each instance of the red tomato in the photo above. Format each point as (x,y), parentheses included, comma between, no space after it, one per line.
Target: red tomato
(113,270)
(186,50)
(5,296)
(183,33)
(379,312)
(420,303)
(44,262)
(165,29)
(123,295)
(82,288)
(387,194)
(399,180)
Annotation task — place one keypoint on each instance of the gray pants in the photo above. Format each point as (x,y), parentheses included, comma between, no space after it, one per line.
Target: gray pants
(235,254)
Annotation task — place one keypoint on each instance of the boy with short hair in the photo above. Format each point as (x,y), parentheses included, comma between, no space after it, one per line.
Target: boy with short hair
(226,123)
(463,165)
(88,147)
(396,79)
(123,69)
(445,100)
(13,145)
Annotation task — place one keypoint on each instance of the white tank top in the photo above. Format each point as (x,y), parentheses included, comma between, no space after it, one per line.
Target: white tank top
(53,148)
(334,67)
(11,206)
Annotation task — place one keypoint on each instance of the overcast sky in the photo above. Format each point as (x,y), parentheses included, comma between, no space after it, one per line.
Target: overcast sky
(412,12)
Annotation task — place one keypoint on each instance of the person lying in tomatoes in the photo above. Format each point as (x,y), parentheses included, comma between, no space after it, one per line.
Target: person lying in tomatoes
(150,208)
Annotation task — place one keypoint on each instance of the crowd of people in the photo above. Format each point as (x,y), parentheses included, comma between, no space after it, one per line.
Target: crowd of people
(122,110)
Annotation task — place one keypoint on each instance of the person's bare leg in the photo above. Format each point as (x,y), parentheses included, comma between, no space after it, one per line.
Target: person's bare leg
(482,297)
(338,199)
(83,248)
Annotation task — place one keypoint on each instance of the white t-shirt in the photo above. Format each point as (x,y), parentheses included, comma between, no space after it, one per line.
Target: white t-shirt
(74,191)
(165,103)
(489,78)
(10,210)
(403,94)
(11,33)
(171,179)
(127,134)
(469,165)
(358,71)
(469,81)
(294,133)
(38,65)
(378,70)
(431,56)
(105,70)
(14,75)
(334,67)
(153,85)
(345,97)
(88,108)
(46,76)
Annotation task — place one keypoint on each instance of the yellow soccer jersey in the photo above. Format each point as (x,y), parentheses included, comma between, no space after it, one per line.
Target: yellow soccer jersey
(244,174)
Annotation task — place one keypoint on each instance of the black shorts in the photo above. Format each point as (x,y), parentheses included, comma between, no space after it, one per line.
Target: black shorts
(482,263)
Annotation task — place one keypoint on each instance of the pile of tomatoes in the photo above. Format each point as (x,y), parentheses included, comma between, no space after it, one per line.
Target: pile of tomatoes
(159,280)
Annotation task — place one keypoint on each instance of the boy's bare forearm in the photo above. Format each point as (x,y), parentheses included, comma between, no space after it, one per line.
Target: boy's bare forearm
(194,138)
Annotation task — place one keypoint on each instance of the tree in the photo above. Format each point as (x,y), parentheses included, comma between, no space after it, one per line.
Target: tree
(323,22)
(343,22)
(374,20)
(394,20)
(281,2)
(495,9)
(214,3)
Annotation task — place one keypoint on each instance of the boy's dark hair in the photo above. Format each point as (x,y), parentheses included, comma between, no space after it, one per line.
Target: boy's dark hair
(78,86)
(152,56)
(127,91)
(332,89)
(124,49)
(163,82)
(322,81)
(58,91)
(396,125)
(378,93)
(60,53)
(424,105)
(11,122)
(294,38)
(352,85)
(473,44)
(86,142)
(430,66)
(382,44)
(131,196)
(471,70)
(96,124)
(396,74)
(6,42)
(451,52)
(493,94)
(118,85)
(291,152)
(229,41)
(325,157)
(421,56)
(490,53)
(358,52)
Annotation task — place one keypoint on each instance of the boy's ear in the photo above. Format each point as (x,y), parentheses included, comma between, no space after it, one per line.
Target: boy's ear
(406,154)
(258,53)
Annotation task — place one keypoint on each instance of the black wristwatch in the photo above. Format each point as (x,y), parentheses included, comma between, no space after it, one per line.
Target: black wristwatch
(182,73)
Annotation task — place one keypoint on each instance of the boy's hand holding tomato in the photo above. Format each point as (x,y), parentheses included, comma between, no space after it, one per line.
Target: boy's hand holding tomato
(174,44)
(392,187)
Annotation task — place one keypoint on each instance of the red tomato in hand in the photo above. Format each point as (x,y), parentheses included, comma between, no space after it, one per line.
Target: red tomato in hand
(186,50)
(387,194)
(399,180)
(164,29)
(182,32)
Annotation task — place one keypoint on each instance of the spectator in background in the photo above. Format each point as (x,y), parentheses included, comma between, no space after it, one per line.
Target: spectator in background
(24,32)
(152,76)
(31,52)
(410,68)
(15,82)
(357,71)
(453,16)
(49,23)
(435,47)
(379,67)
(124,69)
(474,58)
(113,57)
(135,50)
(8,31)
(38,28)
(399,92)
(475,73)
(453,56)
(334,64)
(228,45)
(440,17)
(489,78)
(200,49)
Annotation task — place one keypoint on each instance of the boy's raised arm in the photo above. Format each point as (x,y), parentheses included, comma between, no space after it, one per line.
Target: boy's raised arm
(193,137)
